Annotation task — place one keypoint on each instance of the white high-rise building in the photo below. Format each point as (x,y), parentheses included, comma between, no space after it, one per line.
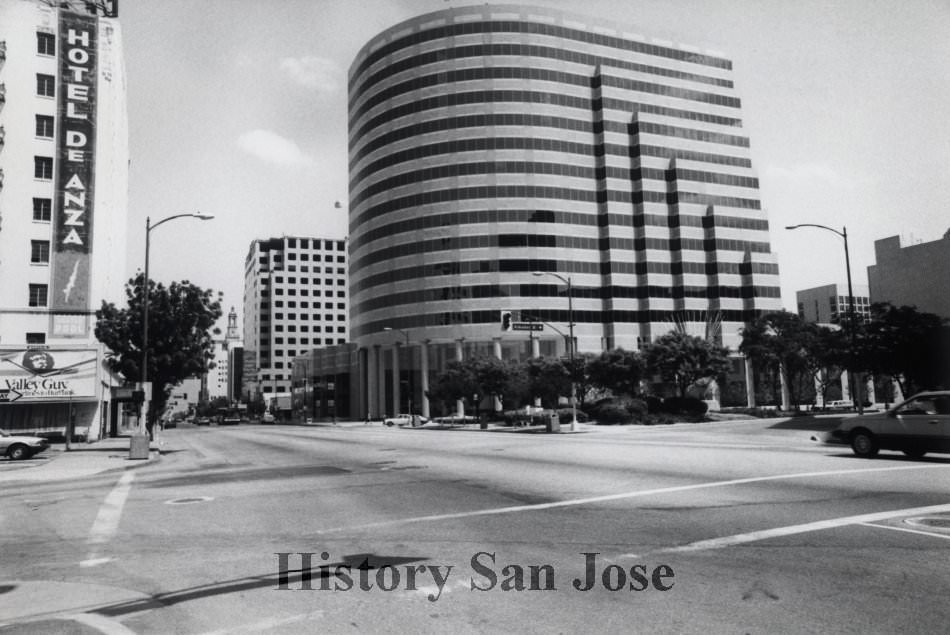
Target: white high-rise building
(295,300)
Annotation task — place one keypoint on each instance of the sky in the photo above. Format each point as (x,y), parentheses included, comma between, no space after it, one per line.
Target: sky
(238,108)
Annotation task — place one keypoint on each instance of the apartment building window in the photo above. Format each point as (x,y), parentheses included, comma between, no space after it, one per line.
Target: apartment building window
(39,252)
(43,168)
(45,85)
(42,209)
(37,295)
(45,43)
(44,126)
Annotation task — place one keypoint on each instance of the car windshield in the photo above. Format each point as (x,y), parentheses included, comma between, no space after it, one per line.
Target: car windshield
(4,433)
(925,405)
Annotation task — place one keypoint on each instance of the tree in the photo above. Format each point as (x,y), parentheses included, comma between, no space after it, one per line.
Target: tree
(548,379)
(909,345)
(826,351)
(779,342)
(456,383)
(682,359)
(181,324)
(618,371)
(503,380)
(805,354)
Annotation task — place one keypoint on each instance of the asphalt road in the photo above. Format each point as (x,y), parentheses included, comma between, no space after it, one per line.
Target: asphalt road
(710,528)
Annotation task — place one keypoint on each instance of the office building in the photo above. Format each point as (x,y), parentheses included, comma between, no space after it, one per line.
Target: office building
(829,303)
(915,275)
(495,142)
(295,299)
(63,202)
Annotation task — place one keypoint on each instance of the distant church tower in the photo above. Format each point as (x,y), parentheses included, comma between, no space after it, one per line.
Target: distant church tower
(232,333)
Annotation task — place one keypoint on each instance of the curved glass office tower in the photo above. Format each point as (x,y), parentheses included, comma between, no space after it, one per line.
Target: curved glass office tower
(491,143)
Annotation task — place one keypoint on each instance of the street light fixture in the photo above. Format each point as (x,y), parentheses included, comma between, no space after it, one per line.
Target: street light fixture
(570,328)
(408,366)
(148,232)
(851,313)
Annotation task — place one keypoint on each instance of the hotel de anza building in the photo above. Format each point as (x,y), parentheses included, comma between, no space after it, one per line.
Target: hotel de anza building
(63,201)
(502,155)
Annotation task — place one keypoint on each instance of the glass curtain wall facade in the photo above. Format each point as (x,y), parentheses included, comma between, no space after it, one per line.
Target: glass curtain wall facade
(489,143)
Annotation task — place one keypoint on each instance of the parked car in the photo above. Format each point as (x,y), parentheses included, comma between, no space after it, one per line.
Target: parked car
(268,417)
(405,420)
(917,426)
(229,418)
(21,446)
(202,421)
(839,404)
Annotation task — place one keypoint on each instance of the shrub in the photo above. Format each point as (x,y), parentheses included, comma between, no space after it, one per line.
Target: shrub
(618,410)
(612,413)
(688,406)
(637,407)
(661,419)
(654,404)
(566,415)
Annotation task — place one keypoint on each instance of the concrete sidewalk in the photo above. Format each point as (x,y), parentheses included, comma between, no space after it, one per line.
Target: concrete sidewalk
(83,459)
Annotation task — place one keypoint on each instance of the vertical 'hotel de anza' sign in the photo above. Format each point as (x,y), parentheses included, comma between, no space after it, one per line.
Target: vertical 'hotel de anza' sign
(75,181)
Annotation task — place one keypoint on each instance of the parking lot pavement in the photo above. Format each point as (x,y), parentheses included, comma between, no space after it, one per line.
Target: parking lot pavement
(82,459)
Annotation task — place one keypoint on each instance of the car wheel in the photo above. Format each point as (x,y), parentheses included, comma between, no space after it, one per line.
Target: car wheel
(915,454)
(863,444)
(18,452)
(388,423)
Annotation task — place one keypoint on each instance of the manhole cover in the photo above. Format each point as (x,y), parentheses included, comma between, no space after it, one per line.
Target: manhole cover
(934,522)
(189,500)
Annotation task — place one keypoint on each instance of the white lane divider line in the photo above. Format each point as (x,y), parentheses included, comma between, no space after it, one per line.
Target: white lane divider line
(107,520)
(625,495)
(778,532)
(909,530)
(102,624)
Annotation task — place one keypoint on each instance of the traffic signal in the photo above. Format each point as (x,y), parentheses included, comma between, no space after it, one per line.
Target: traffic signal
(506,320)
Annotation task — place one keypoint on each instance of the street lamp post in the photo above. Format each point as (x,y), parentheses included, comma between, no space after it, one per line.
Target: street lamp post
(851,313)
(408,365)
(143,428)
(570,329)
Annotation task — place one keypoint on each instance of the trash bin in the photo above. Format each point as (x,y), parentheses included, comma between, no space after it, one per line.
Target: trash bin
(554,423)
(138,446)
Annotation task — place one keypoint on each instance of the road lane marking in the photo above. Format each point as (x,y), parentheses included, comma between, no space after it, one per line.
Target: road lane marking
(107,520)
(102,624)
(777,532)
(625,495)
(268,624)
(910,531)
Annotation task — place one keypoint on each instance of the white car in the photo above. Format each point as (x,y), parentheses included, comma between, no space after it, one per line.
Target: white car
(919,425)
(405,420)
(18,446)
